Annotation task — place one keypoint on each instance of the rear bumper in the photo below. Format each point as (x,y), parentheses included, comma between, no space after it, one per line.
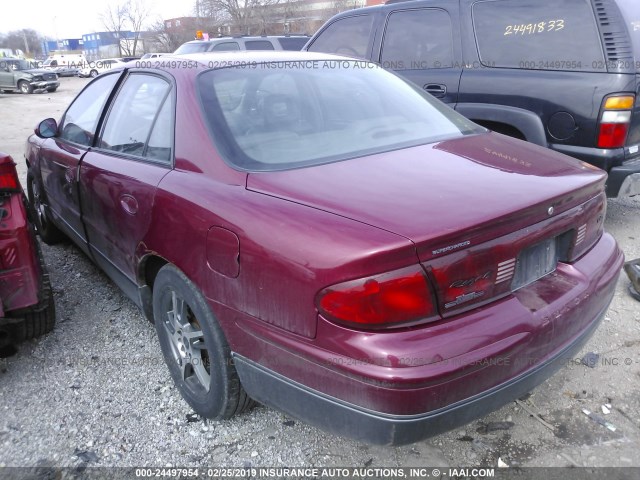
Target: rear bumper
(624,176)
(624,180)
(378,428)
(412,384)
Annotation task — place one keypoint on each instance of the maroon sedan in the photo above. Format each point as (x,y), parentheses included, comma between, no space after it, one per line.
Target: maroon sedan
(316,234)
(26,301)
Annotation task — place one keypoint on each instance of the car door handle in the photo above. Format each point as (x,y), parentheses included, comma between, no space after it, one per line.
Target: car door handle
(129,204)
(436,89)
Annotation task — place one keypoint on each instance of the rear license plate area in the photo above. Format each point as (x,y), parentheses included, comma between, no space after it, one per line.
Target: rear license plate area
(535,262)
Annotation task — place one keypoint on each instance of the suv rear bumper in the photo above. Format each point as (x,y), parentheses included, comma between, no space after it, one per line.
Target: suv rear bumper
(624,177)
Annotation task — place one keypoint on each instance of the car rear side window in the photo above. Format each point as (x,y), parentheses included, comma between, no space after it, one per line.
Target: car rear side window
(258,45)
(133,114)
(225,47)
(418,40)
(81,119)
(529,34)
(346,36)
(161,139)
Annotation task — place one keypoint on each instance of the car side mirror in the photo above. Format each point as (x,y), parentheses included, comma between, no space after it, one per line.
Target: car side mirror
(47,128)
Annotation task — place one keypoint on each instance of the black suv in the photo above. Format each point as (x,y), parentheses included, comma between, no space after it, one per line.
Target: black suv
(560,73)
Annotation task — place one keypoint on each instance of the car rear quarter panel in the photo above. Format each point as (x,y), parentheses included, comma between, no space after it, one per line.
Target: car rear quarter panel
(422,369)
(288,252)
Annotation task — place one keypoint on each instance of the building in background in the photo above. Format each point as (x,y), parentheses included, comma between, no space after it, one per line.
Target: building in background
(49,47)
(294,16)
(99,45)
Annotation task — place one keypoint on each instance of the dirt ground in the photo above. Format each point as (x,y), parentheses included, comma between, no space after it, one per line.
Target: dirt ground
(62,403)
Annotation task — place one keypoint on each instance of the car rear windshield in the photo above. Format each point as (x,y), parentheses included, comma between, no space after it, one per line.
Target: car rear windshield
(186,48)
(529,34)
(631,14)
(283,115)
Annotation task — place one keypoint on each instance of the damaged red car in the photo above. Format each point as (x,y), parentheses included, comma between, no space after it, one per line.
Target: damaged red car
(314,233)
(27,307)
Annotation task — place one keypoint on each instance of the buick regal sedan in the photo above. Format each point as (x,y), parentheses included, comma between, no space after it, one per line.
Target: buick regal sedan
(314,233)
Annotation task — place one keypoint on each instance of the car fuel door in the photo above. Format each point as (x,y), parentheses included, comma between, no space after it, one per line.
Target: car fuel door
(423,46)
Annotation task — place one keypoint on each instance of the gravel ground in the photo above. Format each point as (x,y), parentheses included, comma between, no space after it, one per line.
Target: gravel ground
(96,390)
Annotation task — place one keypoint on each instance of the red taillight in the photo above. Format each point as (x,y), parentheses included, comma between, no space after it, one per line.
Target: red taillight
(380,301)
(9,177)
(612,135)
(614,121)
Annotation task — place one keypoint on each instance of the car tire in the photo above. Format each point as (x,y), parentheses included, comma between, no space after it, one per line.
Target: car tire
(41,319)
(52,89)
(93,73)
(49,233)
(25,87)
(195,348)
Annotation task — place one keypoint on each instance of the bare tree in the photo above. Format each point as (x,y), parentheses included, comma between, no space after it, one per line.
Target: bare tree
(27,40)
(137,13)
(125,15)
(242,14)
(168,40)
(114,18)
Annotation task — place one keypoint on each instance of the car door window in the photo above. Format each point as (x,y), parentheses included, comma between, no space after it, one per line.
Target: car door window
(133,114)
(225,46)
(81,119)
(418,40)
(347,36)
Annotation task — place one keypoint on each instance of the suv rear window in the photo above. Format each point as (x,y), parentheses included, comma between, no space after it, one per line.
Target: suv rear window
(192,48)
(258,45)
(293,43)
(631,14)
(224,47)
(529,34)
(284,115)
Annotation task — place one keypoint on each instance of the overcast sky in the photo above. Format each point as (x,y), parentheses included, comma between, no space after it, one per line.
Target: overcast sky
(72,18)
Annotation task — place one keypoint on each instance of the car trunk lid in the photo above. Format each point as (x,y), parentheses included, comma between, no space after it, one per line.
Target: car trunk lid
(471,206)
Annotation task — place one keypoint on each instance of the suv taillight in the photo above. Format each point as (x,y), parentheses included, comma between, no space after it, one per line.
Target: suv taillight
(8,176)
(614,121)
(387,300)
